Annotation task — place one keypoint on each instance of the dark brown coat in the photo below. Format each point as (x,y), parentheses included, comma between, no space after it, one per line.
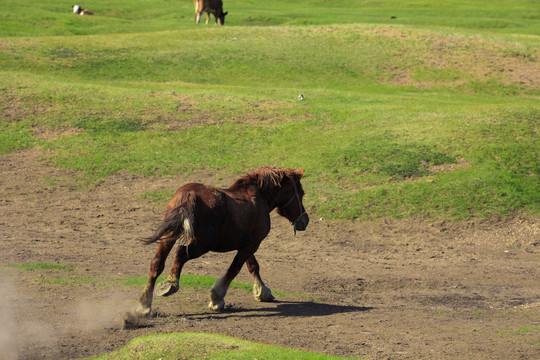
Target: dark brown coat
(220,220)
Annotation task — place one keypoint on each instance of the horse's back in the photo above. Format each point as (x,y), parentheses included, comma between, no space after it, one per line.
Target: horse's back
(208,210)
(208,200)
(223,219)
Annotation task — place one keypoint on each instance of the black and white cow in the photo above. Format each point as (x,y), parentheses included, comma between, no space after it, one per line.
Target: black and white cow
(79,10)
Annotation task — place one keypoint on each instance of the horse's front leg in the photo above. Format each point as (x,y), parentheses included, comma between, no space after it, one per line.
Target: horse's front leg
(260,291)
(219,290)
(156,268)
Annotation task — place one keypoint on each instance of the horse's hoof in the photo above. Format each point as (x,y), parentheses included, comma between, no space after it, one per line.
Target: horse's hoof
(166,288)
(140,312)
(217,306)
(133,319)
(265,297)
(263,294)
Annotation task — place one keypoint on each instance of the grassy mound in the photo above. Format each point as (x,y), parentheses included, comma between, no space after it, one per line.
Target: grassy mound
(204,346)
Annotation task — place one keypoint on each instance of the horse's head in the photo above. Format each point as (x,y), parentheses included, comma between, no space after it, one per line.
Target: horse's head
(289,202)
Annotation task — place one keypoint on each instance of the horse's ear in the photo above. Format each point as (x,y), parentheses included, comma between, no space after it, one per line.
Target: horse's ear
(300,173)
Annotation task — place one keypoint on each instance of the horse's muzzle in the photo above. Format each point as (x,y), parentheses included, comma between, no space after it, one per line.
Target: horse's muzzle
(302,222)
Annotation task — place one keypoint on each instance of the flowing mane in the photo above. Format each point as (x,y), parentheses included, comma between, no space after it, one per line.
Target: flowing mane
(268,177)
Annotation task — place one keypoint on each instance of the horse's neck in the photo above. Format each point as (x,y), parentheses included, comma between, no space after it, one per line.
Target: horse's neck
(269,198)
(253,193)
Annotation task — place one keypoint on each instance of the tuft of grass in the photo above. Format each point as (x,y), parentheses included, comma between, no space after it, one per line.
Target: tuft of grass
(71,281)
(41,266)
(68,280)
(205,346)
(202,282)
(158,196)
(15,136)
(525,330)
(528,334)
(380,157)
(187,280)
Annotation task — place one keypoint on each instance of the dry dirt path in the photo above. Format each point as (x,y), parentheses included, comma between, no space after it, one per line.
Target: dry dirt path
(407,289)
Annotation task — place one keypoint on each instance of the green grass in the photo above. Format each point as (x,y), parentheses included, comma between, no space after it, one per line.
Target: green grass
(186,280)
(71,281)
(16,136)
(201,282)
(205,346)
(426,115)
(198,282)
(39,18)
(40,266)
(189,281)
(67,280)
(527,334)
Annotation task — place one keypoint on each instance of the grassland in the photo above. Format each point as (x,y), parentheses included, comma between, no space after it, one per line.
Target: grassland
(432,114)
(33,18)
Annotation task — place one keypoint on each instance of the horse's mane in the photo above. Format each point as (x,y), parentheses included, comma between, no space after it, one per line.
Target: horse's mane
(268,177)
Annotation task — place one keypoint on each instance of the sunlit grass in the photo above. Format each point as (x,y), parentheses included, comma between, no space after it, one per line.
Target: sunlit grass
(401,120)
(201,282)
(47,17)
(40,266)
(207,346)
(188,281)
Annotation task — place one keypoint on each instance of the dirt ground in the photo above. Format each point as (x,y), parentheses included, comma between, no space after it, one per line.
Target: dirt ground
(409,289)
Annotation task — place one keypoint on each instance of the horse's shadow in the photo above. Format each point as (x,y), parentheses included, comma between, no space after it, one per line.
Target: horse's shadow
(280,309)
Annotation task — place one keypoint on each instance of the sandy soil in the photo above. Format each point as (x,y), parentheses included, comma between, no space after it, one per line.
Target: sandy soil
(409,289)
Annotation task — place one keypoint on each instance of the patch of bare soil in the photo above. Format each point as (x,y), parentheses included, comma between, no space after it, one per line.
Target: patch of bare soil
(14,109)
(188,114)
(389,290)
(505,62)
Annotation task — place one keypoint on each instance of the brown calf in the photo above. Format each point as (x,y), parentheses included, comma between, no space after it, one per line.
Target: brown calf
(210,6)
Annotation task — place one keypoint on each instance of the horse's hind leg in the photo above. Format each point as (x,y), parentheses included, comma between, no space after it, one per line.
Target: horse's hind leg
(183,254)
(171,285)
(260,291)
(156,268)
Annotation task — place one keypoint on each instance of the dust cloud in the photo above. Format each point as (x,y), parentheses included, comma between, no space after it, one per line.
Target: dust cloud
(14,335)
(7,319)
(94,315)
(39,336)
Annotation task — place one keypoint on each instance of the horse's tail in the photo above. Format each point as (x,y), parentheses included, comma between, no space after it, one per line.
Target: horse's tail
(178,221)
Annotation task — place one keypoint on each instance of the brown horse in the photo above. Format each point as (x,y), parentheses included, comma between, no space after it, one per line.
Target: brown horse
(211,219)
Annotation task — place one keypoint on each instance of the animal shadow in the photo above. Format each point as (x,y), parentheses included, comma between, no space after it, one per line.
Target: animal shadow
(282,309)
